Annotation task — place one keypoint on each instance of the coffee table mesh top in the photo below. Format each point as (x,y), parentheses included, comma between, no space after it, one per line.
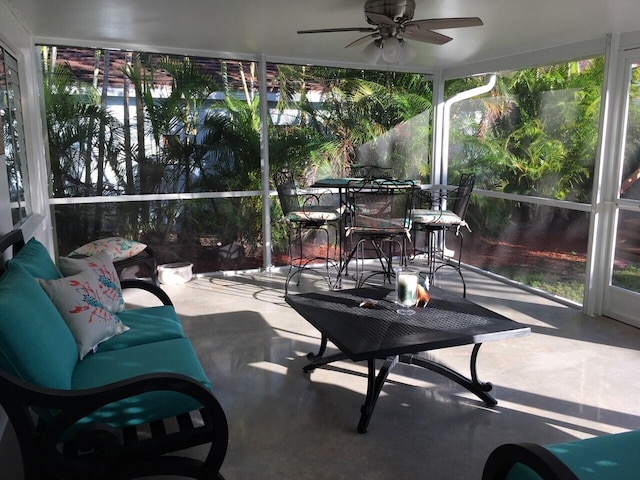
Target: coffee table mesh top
(382,320)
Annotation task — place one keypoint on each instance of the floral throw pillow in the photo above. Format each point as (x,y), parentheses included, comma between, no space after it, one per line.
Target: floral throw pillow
(102,267)
(118,248)
(80,301)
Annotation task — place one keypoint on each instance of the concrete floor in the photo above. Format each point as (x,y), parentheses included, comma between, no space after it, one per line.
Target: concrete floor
(574,377)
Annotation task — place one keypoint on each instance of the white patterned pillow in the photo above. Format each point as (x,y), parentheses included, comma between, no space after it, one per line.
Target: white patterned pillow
(118,248)
(105,273)
(79,299)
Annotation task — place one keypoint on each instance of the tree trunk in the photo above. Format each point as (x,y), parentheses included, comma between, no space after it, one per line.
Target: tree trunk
(143,175)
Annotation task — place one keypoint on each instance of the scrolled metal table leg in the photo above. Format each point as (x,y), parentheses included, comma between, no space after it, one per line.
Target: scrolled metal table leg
(484,386)
(319,360)
(473,385)
(323,347)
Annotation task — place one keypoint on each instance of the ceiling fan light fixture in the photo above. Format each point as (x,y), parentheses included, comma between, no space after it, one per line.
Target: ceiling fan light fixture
(408,53)
(391,50)
(372,52)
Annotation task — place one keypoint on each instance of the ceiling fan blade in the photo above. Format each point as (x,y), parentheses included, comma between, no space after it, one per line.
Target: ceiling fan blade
(442,23)
(379,19)
(347,29)
(362,40)
(427,36)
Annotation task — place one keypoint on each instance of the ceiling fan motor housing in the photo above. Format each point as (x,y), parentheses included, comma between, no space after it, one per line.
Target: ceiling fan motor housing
(397,10)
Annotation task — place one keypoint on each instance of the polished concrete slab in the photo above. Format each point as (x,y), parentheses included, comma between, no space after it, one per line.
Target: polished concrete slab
(574,377)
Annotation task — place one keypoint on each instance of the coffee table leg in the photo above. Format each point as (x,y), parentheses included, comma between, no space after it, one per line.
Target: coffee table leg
(318,359)
(474,385)
(323,347)
(374,387)
(484,386)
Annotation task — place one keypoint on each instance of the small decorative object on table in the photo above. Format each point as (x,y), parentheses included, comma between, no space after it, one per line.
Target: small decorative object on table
(423,294)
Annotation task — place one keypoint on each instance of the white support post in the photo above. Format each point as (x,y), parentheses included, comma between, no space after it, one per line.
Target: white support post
(264,163)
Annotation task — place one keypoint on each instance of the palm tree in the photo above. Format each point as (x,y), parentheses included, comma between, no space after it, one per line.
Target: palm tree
(73,114)
(362,117)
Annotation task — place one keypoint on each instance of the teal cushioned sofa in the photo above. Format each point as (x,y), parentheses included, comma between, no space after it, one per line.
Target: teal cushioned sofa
(120,411)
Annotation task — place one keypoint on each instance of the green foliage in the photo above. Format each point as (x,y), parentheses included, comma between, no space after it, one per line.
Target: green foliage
(534,134)
(366,117)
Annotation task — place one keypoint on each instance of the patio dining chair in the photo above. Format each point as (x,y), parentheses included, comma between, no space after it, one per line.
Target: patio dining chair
(435,221)
(379,219)
(312,221)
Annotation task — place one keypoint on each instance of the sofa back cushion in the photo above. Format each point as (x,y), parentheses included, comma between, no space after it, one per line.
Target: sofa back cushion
(36,260)
(35,343)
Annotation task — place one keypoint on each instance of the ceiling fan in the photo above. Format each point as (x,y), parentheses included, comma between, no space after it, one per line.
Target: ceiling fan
(393,24)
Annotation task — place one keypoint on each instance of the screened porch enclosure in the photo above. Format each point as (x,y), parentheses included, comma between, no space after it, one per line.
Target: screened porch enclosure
(191,186)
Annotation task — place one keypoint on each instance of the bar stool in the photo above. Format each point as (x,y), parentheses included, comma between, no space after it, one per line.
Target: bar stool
(435,222)
(306,218)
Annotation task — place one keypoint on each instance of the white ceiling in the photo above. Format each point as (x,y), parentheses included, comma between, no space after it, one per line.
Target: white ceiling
(249,28)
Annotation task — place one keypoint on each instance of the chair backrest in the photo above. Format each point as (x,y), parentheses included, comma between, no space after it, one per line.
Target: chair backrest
(423,199)
(372,172)
(462,195)
(287,192)
(381,205)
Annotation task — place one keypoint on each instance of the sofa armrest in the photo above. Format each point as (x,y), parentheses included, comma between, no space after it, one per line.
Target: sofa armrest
(149,287)
(146,257)
(544,463)
(102,448)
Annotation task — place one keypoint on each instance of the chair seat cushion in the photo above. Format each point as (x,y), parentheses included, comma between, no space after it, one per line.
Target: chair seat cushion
(436,217)
(315,213)
(391,226)
(169,356)
(146,325)
(611,457)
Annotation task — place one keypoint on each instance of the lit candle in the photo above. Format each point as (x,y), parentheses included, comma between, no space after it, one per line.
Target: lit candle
(407,288)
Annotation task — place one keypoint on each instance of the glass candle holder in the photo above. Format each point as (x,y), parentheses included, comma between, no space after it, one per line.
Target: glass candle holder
(406,289)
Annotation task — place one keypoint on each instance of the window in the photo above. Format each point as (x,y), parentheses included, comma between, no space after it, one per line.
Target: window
(12,151)
(532,144)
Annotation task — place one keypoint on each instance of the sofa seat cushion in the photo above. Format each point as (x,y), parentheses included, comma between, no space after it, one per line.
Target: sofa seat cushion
(169,356)
(35,343)
(36,260)
(608,457)
(146,325)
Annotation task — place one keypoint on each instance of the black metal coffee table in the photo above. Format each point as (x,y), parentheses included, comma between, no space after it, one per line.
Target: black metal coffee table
(379,332)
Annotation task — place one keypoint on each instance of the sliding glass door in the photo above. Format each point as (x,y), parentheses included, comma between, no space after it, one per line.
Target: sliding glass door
(622,297)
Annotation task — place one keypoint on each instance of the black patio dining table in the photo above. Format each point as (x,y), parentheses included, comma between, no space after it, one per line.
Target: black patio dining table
(364,325)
